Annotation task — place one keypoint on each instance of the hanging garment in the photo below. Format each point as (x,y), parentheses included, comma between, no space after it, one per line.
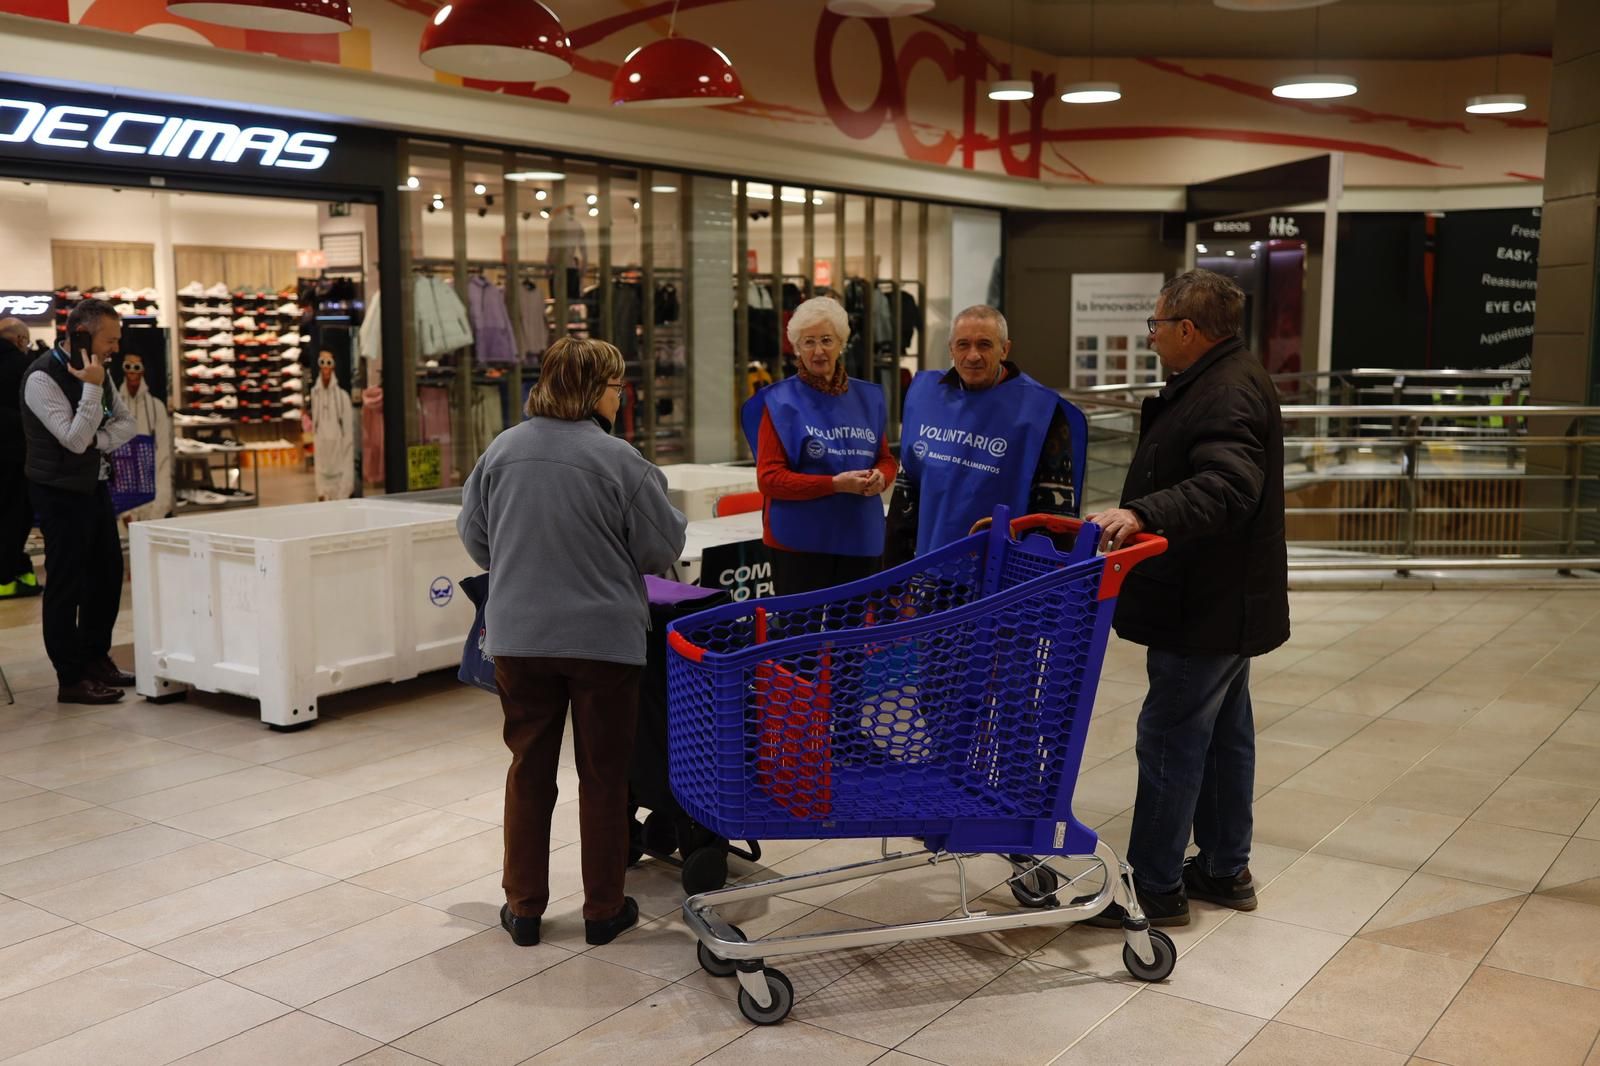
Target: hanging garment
(491,321)
(372,434)
(667,308)
(441,319)
(333,439)
(569,248)
(433,402)
(150,414)
(488,415)
(369,339)
(535,330)
(627,315)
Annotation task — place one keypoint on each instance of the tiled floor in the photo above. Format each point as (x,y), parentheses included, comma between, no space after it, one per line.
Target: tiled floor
(177,884)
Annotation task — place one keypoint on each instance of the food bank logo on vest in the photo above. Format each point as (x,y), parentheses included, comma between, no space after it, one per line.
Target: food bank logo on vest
(995,446)
(98,131)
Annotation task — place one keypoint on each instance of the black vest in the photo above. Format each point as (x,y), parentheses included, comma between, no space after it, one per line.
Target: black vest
(48,462)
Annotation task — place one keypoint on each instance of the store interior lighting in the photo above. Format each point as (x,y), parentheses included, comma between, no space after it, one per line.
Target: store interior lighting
(413,181)
(544,212)
(1497,102)
(663,188)
(480,188)
(591,199)
(540,194)
(756,190)
(1012,88)
(594,212)
(536,175)
(273,16)
(879,9)
(676,72)
(635,204)
(1092,91)
(1316,85)
(497,40)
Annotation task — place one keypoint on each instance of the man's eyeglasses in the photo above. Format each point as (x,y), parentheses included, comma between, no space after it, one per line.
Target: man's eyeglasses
(1151,323)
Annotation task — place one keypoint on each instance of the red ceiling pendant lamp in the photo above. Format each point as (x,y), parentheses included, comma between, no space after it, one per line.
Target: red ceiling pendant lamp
(276,16)
(676,72)
(497,40)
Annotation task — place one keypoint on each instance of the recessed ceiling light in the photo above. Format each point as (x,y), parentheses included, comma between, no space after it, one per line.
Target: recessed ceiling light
(1497,104)
(592,199)
(413,181)
(1315,87)
(663,188)
(1014,89)
(480,188)
(1092,92)
(536,175)
(594,211)
(540,194)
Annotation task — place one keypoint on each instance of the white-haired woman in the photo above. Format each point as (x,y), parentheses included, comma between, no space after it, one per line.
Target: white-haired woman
(822,459)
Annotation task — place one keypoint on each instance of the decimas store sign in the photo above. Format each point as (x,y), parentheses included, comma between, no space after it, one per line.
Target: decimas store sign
(1485,277)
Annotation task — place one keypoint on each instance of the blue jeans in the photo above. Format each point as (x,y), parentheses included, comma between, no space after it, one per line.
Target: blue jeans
(1197,767)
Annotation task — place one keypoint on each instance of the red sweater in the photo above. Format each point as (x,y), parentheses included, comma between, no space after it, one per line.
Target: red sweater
(778,482)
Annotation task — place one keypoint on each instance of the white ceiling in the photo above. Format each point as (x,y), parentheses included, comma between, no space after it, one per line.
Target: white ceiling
(1355,29)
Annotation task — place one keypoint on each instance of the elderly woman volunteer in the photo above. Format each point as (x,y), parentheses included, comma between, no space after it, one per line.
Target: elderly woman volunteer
(566,517)
(822,459)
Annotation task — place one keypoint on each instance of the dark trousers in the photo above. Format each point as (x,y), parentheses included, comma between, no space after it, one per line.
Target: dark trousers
(1197,768)
(16,520)
(83,565)
(604,697)
(794,572)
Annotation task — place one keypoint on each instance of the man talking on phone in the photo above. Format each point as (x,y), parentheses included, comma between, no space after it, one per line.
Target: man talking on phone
(71,422)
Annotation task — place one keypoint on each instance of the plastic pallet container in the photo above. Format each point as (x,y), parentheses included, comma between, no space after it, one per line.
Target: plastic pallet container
(695,488)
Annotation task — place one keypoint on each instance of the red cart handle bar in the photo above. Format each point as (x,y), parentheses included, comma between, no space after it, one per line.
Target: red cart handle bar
(1117,564)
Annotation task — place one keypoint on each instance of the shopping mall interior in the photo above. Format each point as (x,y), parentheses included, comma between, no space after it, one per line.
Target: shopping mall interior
(346,246)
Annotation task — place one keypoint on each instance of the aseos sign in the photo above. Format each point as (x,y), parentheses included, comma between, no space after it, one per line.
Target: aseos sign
(110,134)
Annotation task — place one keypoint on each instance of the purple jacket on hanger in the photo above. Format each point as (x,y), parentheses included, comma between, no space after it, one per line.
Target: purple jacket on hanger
(491,322)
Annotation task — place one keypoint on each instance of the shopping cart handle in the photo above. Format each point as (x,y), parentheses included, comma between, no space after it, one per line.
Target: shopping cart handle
(1139,547)
(685,647)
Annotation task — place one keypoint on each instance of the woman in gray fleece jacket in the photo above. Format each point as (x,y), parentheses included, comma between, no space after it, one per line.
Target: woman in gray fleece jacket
(566,518)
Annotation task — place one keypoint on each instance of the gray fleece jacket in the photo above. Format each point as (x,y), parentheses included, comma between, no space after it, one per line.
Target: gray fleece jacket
(566,517)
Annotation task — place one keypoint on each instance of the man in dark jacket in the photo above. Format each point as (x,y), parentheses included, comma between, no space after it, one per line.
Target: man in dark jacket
(1208,476)
(16,510)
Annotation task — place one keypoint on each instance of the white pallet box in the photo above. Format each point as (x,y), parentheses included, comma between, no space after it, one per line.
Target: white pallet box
(287,604)
(694,488)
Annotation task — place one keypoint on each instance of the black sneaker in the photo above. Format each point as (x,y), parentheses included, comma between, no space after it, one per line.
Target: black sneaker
(524,931)
(1166,908)
(606,930)
(1238,891)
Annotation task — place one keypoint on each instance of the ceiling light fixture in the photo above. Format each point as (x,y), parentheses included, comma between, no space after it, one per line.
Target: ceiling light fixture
(1269,5)
(1012,88)
(497,40)
(676,72)
(879,9)
(536,175)
(544,212)
(1497,102)
(540,194)
(1091,91)
(412,182)
(1315,86)
(276,16)
(663,188)
(480,188)
(591,199)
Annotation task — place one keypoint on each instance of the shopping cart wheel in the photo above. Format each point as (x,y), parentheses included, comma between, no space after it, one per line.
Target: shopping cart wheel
(659,835)
(705,870)
(1036,888)
(715,964)
(1161,968)
(782,1001)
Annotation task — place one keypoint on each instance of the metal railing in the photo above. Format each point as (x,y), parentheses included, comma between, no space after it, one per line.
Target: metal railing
(1479,477)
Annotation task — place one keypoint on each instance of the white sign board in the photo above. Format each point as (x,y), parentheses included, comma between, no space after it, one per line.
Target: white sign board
(1110,342)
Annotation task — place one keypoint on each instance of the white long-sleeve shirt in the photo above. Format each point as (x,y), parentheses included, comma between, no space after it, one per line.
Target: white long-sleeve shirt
(89,426)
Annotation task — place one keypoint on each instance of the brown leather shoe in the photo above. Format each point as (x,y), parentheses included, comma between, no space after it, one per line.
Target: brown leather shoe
(108,673)
(88,692)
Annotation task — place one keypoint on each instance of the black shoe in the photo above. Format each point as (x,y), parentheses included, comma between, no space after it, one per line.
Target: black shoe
(1161,909)
(108,673)
(1238,891)
(88,692)
(606,930)
(524,931)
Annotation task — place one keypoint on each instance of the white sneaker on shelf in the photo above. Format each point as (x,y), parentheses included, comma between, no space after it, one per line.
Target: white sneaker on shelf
(219,291)
(200,388)
(293,385)
(291,338)
(126,309)
(222,340)
(294,399)
(197,372)
(228,403)
(222,355)
(199,323)
(289,309)
(227,389)
(290,355)
(294,370)
(245,322)
(197,355)
(223,371)
(147,295)
(194,288)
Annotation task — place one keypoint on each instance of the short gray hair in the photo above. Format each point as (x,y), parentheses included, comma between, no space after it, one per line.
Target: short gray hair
(1211,301)
(819,309)
(987,314)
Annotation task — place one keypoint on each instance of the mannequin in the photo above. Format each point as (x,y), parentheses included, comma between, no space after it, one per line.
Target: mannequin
(151,415)
(333,433)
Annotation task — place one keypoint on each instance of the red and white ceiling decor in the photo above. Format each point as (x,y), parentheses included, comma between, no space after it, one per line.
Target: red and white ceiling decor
(676,72)
(275,16)
(497,40)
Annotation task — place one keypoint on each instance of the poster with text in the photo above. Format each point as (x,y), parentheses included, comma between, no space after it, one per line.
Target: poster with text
(1110,342)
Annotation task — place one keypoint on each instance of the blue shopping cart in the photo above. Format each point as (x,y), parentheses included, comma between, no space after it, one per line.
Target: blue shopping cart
(947,700)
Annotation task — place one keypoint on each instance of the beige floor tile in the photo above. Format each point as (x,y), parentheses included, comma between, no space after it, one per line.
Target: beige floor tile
(1496,855)
(66,866)
(1109,786)
(1582,728)
(314,828)
(271,746)
(454,785)
(1294,688)
(386,844)
(127,886)
(1569,764)
(797,1044)
(75,1003)
(1575,874)
(37,808)
(1399,739)
(1509,1019)
(1390,836)
(122,754)
(808,972)
(1277,761)
(1340,663)
(1536,721)
(69,752)
(1306,895)
(162,1031)
(212,792)
(1427,896)
(1364,698)
(55,955)
(323,762)
(895,994)
(353,955)
(192,909)
(922,894)
(1481,751)
(388,1056)
(1590,829)
(1440,789)
(489,808)
(679,1025)
(1268,714)
(152,720)
(421,992)
(1318,729)
(1252,965)
(1477,679)
(306,1040)
(1032,1013)
(47,732)
(1547,687)
(408,767)
(1153,1027)
(1282,1045)
(1554,938)
(1349,774)
(1376,994)
(663,948)
(1097,953)
(53,834)
(20,922)
(11,789)
(270,931)
(1299,820)
(238,816)
(1465,935)
(191,768)
(530,1016)
(441,869)
(1531,803)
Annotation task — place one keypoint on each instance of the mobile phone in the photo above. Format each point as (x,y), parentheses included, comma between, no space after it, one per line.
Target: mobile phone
(82,345)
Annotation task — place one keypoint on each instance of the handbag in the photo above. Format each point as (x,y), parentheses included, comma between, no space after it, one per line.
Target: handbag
(477,665)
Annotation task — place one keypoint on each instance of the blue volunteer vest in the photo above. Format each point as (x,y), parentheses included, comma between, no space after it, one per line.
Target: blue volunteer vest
(823,434)
(968,451)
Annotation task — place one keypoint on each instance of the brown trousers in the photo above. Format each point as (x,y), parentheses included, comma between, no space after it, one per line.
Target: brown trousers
(535,693)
